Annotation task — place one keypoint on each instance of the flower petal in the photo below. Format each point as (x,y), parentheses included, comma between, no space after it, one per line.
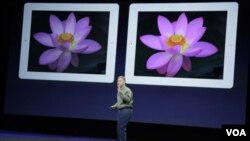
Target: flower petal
(92,45)
(70,24)
(187,65)
(55,24)
(80,48)
(174,65)
(81,33)
(163,40)
(174,24)
(163,69)
(54,37)
(207,49)
(176,49)
(83,22)
(152,41)
(195,35)
(65,46)
(53,65)
(44,39)
(192,51)
(75,60)
(195,24)
(158,60)
(165,26)
(49,56)
(64,24)
(63,61)
(181,25)
(82,29)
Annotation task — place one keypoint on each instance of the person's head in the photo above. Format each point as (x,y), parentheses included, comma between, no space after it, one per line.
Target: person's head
(121,81)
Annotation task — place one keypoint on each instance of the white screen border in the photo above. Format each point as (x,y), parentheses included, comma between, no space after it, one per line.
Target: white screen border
(108,77)
(230,44)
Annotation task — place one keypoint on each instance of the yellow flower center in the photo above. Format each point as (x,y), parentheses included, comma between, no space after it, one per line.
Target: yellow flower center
(177,40)
(65,37)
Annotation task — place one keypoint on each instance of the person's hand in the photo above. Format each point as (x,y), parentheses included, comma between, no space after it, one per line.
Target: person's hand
(113,107)
(118,89)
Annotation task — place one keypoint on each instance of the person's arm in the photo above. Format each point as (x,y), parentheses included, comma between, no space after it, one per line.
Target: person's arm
(126,96)
(117,106)
(114,106)
(121,106)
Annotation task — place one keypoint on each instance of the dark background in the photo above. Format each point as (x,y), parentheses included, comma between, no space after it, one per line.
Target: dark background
(74,108)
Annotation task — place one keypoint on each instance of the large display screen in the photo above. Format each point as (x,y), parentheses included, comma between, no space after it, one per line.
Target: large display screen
(71,42)
(182,44)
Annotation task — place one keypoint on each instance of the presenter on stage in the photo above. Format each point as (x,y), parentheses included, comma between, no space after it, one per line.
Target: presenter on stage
(124,106)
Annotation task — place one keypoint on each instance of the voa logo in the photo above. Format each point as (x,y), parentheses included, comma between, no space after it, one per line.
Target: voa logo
(236,132)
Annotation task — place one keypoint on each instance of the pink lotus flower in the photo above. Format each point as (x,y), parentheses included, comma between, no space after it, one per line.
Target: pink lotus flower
(178,42)
(67,40)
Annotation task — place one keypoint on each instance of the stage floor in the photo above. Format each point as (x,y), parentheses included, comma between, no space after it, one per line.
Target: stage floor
(23,136)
